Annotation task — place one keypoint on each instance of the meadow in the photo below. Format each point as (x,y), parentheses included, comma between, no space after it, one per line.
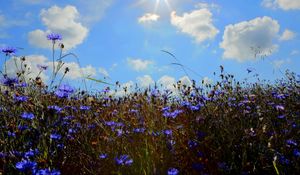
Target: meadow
(228,127)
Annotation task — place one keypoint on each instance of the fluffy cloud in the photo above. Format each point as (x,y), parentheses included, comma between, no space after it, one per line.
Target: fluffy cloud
(197,24)
(283,4)
(31,70)
(138,64)
(32,62)
(148,17)
(185,80)
(287,35)
(240,39)
(103,71)
(167,82)
(62,21)
(145,81)
(78,72)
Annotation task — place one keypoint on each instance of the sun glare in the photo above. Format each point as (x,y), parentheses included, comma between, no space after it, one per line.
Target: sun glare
(158,4)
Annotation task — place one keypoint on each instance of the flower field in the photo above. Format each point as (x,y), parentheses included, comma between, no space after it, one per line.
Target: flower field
(229,127)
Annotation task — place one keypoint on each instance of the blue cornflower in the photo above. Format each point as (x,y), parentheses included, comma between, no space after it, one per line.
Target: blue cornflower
(42,67)
(291,142)
(103,156)
(20,98)
(124,160)
(281,116)
(85,108)
(64,91)
(25,165)
(10,81)
(11,134)
(27,115)
(139,130)
(8,51)
(54,136)
(173,171)
(279,107)
(296,153)
(168,132)
(54,37)
(2,155)
(48,172)
(192,143)
(31,153)
(57,109)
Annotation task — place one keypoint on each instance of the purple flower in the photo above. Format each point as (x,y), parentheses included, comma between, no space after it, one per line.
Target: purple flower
(296,153)
(291,142)
(279,107)
(9,51)
(103,156)
(281,116)
(42,67)
(64,91)
(27,115)
(54,136)
(85,108)
(20,98)
(124,160)
(139,130)
(54,37)
(47,172)
(173,171)
(168,132)
(7,81)
(25,165)
(31,153)
(57,109)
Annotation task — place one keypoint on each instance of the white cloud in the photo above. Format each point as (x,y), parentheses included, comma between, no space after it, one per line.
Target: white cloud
(148,17)
(287,35)
(283,4)
(167,82)
(145,81)
(197,24)
(31,70)
(62,21)
(239,39)
(138,64)
(121,91)
(104,72)
(76,71)
(185,80)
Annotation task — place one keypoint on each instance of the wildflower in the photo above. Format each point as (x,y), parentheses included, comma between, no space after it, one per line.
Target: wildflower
(42,67)
(168,132)
(54,37)
(8,51)
(64,91)
(7,81)
(291,142)
(48,172)
(296,153)
(27,115)
(57,109)
(85,108)
(25,165)
(281,116)
(103,156)
(279,107)
(31,153)
(124,160)
(20,98)
(54,136)
(173,171)
(11,134)
(192,143)
(139,130)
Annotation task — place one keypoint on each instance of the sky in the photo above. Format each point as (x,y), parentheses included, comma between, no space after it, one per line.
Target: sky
(125,40)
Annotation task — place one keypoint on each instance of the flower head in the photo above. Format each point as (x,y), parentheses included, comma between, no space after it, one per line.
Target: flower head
(54,37)
(124,160)
(25,165)
(173,171)
(27,115)
(8,51)
(48,172)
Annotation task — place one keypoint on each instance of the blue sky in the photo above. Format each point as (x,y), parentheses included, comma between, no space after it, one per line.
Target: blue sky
(122,40)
